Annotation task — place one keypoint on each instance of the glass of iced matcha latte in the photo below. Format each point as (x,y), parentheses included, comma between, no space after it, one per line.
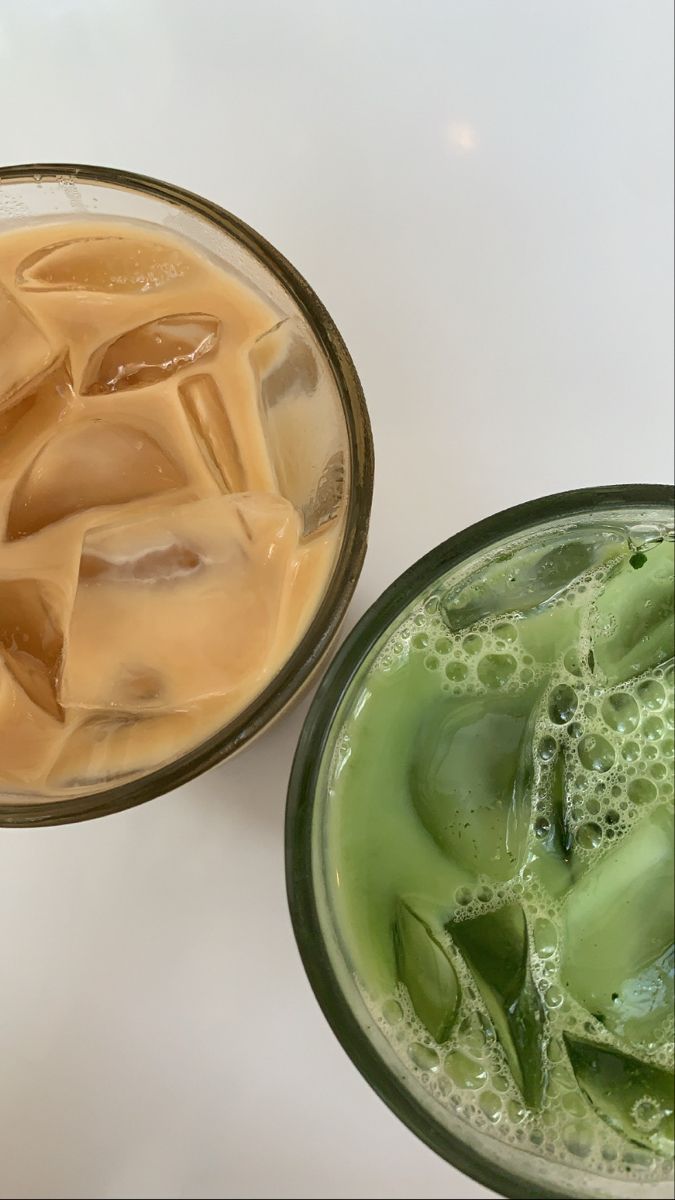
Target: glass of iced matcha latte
(480,846)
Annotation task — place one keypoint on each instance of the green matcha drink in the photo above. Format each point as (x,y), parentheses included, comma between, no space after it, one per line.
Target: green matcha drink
(499,846)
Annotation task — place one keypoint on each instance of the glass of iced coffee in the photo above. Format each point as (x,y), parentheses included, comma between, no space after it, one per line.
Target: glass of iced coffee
(185,484)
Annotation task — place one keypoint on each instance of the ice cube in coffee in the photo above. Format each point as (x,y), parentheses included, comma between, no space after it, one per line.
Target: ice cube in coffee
(170,500)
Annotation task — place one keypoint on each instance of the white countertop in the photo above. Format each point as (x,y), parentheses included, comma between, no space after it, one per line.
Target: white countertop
(480,192)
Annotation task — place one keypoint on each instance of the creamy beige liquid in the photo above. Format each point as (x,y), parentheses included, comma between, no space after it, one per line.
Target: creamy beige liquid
(170,501)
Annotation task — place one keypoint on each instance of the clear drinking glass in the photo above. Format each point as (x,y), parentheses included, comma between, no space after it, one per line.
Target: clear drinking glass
(37,193)
(509,1169)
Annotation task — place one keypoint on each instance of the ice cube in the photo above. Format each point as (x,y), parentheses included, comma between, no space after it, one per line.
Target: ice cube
(526,579)
(85,466)
(178,606)
(36,410)
(495,946)
(150,353)
(159,564)
(25,351)
(324,503)
(31,639)
(111,746)
(470,779)
(549,631)
(636,617)
(424,966)
(209,419)
(302,424)
(10,415)
(28,735)
(103,264)
(618,959)
(96,751)
(633,1097)
(105,749)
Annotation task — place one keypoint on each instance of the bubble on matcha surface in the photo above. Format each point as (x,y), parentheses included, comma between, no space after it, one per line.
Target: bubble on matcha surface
(562,704)
(621,712)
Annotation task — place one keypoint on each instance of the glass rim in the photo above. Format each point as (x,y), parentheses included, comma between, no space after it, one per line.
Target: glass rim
(307,656)
(302,792)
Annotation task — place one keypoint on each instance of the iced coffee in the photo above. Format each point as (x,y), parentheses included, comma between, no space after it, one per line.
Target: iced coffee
(170,500)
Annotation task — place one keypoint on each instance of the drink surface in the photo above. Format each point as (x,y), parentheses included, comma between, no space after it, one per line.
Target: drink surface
(500,834)
(169,501)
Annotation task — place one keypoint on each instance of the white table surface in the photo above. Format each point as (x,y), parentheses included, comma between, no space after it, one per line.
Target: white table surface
(480,192)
